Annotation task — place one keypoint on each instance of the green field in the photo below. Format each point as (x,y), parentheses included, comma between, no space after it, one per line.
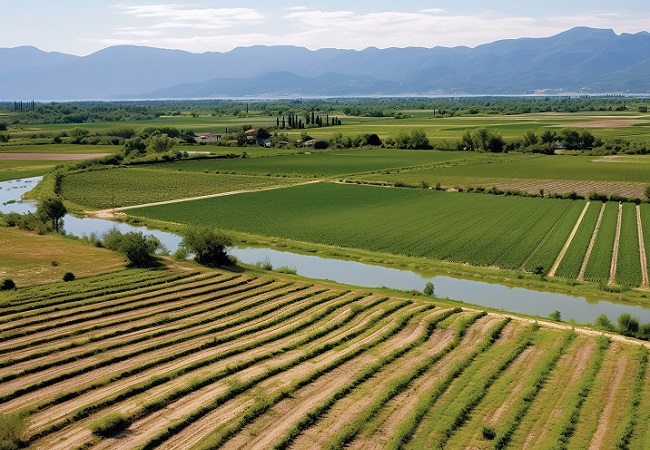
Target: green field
(136,185)
(483,230)
(329,163)
(214,359)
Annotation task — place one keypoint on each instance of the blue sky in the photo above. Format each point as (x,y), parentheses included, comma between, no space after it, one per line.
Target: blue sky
(82,27)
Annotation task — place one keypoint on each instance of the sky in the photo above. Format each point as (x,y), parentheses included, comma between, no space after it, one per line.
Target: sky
(82,27)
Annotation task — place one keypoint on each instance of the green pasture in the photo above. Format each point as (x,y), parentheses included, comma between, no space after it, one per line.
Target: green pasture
(126,186)
(322,164)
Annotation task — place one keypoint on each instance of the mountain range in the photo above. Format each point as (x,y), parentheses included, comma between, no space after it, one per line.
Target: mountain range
(581,60)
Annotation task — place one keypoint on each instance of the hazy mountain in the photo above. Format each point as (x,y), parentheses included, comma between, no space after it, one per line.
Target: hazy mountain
(579,60)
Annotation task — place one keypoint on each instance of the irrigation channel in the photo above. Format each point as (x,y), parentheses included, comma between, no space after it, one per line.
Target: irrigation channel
(511,299)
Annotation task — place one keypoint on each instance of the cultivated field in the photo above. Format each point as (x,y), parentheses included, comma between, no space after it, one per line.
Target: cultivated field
(187,359)
(508,232)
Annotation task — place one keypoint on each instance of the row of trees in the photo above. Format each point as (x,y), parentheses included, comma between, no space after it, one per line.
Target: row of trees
(84,112)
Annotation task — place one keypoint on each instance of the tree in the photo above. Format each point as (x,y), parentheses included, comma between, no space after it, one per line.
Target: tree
(530,138)
(429,289)
(52,210)
(160,143)
(139,249)
(208,245)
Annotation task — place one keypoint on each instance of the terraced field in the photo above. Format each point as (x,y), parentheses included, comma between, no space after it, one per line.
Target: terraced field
(214,359)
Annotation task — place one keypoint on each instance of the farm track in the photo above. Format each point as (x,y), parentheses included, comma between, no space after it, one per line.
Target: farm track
(231,361)
(559,258)
(594,235)
(617,241)
(645,283)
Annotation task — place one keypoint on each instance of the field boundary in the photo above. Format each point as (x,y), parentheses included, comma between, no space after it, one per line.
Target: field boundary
(617,240)
(560,257)
(594,235)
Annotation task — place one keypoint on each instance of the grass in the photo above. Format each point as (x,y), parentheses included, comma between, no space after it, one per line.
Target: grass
(28,258)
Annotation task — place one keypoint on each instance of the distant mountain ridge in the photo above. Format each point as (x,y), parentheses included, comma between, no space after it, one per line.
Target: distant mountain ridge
(580,60)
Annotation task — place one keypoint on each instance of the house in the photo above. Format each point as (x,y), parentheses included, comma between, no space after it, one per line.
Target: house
(207,137)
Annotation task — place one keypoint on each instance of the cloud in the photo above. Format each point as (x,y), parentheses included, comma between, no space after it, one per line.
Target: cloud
(172,16)
(222,29)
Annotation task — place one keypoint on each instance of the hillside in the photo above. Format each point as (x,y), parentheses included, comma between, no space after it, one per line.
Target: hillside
(580,60)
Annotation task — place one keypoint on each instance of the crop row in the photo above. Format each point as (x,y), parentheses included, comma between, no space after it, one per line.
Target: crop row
(273,364)
(575,255)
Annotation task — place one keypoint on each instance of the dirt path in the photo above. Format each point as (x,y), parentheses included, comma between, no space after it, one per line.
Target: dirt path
(583,269)
(604,422)
(644,261)
(617,240)
(111,213)
(551,273)
(50,156)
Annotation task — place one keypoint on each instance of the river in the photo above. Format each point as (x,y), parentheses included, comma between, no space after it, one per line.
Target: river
(511,299)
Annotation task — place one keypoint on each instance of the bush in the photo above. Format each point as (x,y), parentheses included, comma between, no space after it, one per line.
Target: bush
(208,246)
(429,289)
(489,433)
(139,249)
(109,425)
(627,324)
(556,316)
(7,285)
(602,321)
(69,276)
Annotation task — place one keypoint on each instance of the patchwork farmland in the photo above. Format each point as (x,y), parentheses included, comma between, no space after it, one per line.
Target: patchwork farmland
(214,359)
(514,233)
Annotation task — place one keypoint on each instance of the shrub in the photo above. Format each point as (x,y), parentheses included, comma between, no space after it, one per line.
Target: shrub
(627,324)
(429,289)
(7,285)
(489,433)
(602,321)
(109,425)
(556,316)
(69,276)
(139,249)
(208,246)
